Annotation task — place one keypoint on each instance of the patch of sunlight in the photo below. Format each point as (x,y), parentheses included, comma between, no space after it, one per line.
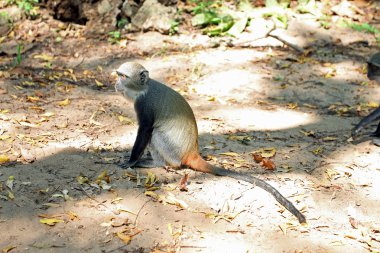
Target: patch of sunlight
(359,165)
(214,242)
(236,83)
(217,58)
(256,119)
(6,127)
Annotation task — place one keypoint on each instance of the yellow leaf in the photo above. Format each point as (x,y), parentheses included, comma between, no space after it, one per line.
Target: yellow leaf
(331,173)
(33,99)
(150,180)
(151,194)
(50,222)
(99,84)
(93,120)
(233,154)
(72,215)
(116,200)
(44,57)
(239,138)
(64,102)
(103,175)
(308,133)
(125,120)
(27,124)
(4,137)
(329,138)
(125,238)
(48,114)
(82,179)
(170,199)
(28,83)
(317,151)
(266,152)
(11,195)
(9,182)
(8,249)
(51,204)
(292,105)
(37,108)
(373,104)
(170,228)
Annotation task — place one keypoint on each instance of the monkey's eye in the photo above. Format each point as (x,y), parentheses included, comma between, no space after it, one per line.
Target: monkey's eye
(122,76)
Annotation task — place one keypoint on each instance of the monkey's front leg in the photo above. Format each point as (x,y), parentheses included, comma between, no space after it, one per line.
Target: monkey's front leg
(144,135)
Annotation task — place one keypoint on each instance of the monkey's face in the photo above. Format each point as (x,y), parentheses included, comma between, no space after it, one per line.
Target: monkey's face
(132,80)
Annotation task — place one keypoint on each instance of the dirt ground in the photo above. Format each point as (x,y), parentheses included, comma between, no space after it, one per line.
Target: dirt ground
(64,133)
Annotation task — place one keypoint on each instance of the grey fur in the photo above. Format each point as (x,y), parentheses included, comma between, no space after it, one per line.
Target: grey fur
(174,131)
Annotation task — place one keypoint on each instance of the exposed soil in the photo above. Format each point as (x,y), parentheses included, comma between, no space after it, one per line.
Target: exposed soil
(59,127)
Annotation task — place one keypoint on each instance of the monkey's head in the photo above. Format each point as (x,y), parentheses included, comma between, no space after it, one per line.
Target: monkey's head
(373,71)
(132,80)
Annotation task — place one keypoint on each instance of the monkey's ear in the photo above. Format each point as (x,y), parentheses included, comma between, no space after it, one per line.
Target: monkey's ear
(144,76)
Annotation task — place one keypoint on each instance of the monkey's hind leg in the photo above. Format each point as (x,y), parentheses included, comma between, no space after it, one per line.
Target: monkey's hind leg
(153,160)
(164,151)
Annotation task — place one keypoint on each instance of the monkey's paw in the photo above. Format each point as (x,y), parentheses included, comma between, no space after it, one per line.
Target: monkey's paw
(126,165)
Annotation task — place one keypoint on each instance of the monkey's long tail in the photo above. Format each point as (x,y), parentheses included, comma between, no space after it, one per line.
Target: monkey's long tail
(375,115)
(197,163)
(264,185)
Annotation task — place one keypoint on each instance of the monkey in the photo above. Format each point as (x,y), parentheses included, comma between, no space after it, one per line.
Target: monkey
(373,73)
(168,130)
(373,67)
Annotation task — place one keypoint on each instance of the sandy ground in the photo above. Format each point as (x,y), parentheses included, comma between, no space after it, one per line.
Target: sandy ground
(63,153)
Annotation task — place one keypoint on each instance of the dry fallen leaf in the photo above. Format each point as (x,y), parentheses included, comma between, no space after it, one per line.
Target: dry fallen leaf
(118,222)
(268,164)
(8,249)
(51,221)
(9,182)
(116,200)
(257,157)
(329,138)
(33,99)
(11,196)
(72,216)
(266,152)
(4,137)
(308,133)
(125,238)
(82,179)
(103,176)
(170,199)
(93,120)
(124,120)
(354,223)
(150,180)
(44,57)
(232,154)
(64,102)
(292,105)
(99,84)
(4,159)
(48,114)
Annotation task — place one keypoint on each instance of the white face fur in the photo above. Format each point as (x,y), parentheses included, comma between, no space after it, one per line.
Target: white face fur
(132,80)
